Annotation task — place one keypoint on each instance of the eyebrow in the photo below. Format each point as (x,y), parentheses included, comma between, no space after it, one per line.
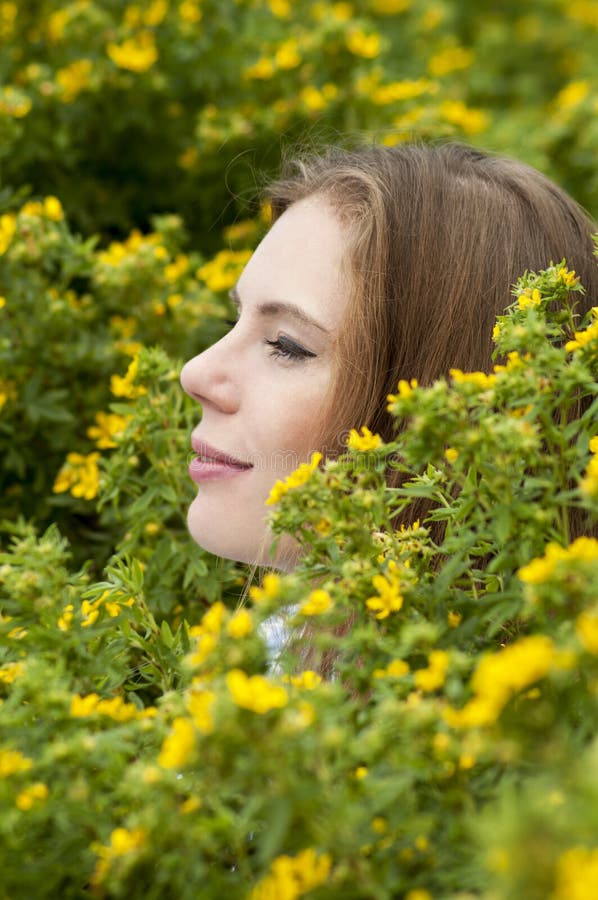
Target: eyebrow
(272,308)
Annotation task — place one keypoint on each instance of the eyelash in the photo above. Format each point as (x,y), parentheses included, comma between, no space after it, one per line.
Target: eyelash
(282,347)
(287,349)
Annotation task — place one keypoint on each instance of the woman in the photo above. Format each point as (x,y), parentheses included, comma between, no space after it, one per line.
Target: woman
(382,263)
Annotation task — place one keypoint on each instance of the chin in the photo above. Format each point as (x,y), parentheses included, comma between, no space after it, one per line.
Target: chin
(227,541)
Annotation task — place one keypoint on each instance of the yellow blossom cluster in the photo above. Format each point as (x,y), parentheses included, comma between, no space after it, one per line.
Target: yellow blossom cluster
(80,475)
(467,118)
(124,386)
(396,668)
(12,762)
(116,708)
(318,602)
(221,272)
(453,59)
(542,569)
(297,478)
(292,876)
(268,590)
(405,389)
(501,675)
(8,226)
(589,483)
(582,338)
(577,874)
(529,298)
(10,672)
(396,91)
(8,15)
(364,441)
(254,692)
(122,842)
(50,208)
(35,793)
(135,54)
(390,7)
(180,742)
(480,379)
(14,102)
(388,598)
(119,252)
(73,79)
(433,677)
(362,44)
(108,427)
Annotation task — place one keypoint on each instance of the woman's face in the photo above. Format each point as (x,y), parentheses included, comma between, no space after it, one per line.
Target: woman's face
(263,387)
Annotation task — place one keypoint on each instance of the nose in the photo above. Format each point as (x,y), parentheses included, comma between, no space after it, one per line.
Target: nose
(211,378)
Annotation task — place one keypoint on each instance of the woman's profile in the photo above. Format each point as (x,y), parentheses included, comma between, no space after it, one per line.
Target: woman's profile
(382,263)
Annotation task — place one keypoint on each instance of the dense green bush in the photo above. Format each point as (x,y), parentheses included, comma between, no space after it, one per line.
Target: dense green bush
(124,111)
(453,751)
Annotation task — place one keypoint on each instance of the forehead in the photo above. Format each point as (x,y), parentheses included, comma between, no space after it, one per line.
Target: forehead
(301,261)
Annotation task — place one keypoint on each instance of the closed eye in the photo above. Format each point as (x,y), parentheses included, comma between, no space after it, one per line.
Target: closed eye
(288,349)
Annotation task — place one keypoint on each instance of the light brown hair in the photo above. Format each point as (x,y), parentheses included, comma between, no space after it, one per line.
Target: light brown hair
(437,235)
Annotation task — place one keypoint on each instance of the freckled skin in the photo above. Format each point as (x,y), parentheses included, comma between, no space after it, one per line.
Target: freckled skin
(261,403)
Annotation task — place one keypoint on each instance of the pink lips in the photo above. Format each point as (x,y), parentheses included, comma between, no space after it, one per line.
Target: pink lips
(211,464)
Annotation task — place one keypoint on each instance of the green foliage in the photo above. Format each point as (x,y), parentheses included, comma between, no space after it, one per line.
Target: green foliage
(450,752)
(128,110)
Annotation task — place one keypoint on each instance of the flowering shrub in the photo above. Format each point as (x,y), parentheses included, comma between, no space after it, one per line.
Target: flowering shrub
(124,110)
(429,729)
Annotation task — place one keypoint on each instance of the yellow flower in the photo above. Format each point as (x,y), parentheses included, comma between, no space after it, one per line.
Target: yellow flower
(307,680)
(364,441)
(125,386)
(479,379)
(538,571)
(190,12)
(576,874)
(433,677)
(240,625)
(269,589)
(402,90)
(450,454)
(318,602)
(221,272)
(297,478)
(7,230)
(454,619)
(262,70)
(73,79)
(200,704)
(107,427)
(450,60)
(572,95)
(529,299)
(178,745)
(136,54)
(280,8)
(418,894)
(255,692)
(470,120)
(500,675)
(290,877)
(80,475)
(122,841)
(35,793)
(583,338)
(389,598)
(10,672)
(287,55)
(586,628)
(12,762)
(361,44)
(390,7)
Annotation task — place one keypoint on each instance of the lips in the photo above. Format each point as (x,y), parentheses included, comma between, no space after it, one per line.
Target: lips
(212,464)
